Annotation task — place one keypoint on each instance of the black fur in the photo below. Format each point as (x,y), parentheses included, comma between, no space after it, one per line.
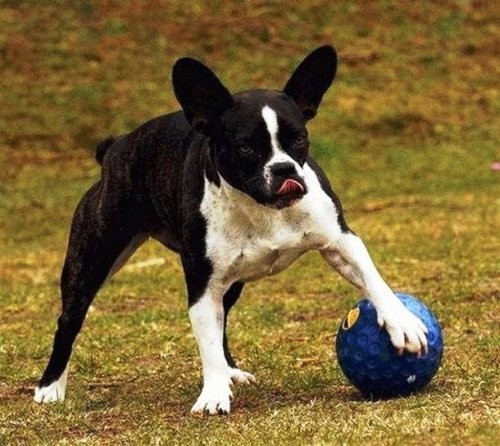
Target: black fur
(103,147)
(152,182)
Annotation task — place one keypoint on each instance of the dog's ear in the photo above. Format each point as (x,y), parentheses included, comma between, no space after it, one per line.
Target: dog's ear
(311,79)
(200,93)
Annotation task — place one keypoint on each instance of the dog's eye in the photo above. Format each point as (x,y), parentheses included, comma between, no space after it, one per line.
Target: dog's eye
(245,150)
(301,143)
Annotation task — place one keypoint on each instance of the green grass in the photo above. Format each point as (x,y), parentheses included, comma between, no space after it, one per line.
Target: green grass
(406,135)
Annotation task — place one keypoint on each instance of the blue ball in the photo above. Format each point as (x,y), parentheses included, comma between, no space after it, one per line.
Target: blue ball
(370,361)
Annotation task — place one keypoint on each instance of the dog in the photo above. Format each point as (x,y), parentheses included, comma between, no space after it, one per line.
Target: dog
(228,183)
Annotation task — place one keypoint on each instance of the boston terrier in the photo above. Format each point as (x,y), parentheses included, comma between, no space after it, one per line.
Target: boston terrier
(229,184)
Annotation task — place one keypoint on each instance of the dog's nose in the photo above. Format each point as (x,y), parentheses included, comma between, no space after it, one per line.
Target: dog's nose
(283,169)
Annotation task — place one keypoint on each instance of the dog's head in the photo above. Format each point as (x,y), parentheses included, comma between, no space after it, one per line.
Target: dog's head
(258,138)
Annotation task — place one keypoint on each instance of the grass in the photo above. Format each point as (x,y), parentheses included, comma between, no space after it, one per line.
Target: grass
(406,135)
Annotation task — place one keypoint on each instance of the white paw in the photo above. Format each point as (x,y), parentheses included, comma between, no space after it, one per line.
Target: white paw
(407,331)
(240,377)
(214,397)
(53,392)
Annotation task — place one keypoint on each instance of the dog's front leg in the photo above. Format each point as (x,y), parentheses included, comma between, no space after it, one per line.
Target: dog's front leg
(207,320)
(349,256)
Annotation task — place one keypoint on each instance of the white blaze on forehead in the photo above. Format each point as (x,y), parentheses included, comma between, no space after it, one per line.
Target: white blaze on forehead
(271,121)
(278,155)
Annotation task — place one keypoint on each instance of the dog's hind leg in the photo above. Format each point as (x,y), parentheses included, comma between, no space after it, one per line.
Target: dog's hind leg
(96,245)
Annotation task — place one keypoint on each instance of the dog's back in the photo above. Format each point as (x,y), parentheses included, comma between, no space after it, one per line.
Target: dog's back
(146,169)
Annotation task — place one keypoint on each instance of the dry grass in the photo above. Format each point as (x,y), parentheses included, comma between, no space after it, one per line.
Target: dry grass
(406,135)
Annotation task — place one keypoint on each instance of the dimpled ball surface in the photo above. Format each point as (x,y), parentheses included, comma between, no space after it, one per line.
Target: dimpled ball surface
(371,363)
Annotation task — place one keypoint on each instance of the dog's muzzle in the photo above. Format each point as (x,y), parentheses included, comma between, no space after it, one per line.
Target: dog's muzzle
(289,192)
(287,186)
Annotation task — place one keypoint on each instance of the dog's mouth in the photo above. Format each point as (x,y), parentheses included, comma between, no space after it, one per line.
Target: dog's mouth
(289,192)
(290,187)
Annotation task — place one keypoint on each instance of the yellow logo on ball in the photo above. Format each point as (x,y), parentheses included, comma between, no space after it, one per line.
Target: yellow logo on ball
(351,318)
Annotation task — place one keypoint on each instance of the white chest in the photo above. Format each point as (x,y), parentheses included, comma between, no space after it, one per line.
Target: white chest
(246,252)
(246,241)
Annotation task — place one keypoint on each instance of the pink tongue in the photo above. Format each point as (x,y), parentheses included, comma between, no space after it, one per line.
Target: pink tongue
(290,186)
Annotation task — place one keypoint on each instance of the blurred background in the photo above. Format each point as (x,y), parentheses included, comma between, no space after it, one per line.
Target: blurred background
(417,75)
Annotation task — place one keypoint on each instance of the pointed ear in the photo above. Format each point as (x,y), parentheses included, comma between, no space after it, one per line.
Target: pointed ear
(311,79)
(200,93)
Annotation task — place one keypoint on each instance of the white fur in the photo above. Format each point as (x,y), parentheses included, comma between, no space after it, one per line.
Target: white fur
(260,241)
(53,392)
(240,377)
(271,120)
(278,155)
(214,398)
(207,317)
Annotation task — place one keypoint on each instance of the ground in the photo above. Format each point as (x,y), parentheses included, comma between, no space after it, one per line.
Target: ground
(407,135)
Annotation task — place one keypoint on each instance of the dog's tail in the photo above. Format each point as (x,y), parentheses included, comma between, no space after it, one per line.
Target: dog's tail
(103,147)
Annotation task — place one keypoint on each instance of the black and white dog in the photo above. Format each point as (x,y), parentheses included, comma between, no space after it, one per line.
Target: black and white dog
(228,184)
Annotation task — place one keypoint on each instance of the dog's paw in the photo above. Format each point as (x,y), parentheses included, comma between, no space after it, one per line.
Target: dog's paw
(214,398)
(240,377)
(407,331)
(49,394)
(55,391)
